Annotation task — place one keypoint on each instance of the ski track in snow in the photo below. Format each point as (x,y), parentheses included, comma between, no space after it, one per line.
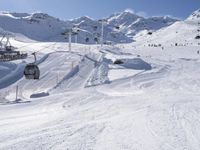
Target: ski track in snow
(155,109)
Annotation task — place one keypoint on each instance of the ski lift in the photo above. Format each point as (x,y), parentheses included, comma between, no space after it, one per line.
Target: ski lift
(96,39)
(95,28)
(87,39)
(32,71)
(7,52)
(149,33)
(113,34)
(117,27)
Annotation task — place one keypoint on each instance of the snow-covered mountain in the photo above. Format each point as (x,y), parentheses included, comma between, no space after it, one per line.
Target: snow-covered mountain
(181,33)
(131,24)
(42,27)
(195,15)
(37,26)
(91,29)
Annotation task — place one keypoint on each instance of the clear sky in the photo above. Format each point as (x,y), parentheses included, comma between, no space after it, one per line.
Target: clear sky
(68,9)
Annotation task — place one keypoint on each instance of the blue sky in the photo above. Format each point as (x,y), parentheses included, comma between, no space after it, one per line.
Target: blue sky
(67,9)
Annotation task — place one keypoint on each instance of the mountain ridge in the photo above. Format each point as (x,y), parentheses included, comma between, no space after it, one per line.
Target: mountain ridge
(43,27)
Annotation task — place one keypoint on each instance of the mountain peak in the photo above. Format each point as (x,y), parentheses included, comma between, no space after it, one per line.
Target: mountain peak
(195,15)
(40,16)
(126,17)
(129,13)
(82,20)
(86,18)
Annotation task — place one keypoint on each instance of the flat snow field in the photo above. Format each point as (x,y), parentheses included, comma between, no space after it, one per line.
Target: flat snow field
(83,101)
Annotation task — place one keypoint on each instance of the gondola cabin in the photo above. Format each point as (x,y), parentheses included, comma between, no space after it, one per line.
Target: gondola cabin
(32,71)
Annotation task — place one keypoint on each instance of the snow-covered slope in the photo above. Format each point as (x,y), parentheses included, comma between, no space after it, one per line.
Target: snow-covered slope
(181,33)
(84,101)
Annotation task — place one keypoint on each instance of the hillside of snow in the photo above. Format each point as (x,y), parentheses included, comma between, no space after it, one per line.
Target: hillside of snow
(142,95)
(181,33)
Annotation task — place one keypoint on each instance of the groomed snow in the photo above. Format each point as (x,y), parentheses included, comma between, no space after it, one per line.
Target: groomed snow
(83,101)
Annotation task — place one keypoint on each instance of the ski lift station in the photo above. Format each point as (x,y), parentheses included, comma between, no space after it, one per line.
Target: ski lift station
(8,52)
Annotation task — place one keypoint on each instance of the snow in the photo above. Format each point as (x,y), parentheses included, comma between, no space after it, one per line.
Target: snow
(84,101)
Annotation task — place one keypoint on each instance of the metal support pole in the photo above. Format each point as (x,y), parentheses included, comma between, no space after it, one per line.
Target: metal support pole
(35,58)
(16,99)
(102,21)
(76,38)
(102,33)
(70,41)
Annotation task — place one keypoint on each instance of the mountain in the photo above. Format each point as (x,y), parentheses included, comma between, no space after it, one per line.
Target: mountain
(184,33)
(43,27)
(91,29)
(131,24)
(37,26)
(195,15)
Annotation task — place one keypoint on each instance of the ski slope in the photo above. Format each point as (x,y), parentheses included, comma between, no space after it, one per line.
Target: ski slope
(83,101)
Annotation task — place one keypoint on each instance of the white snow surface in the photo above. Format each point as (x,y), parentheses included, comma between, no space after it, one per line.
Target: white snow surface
(83,101)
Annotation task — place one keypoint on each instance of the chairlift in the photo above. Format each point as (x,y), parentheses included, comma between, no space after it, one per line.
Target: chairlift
(32,71)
